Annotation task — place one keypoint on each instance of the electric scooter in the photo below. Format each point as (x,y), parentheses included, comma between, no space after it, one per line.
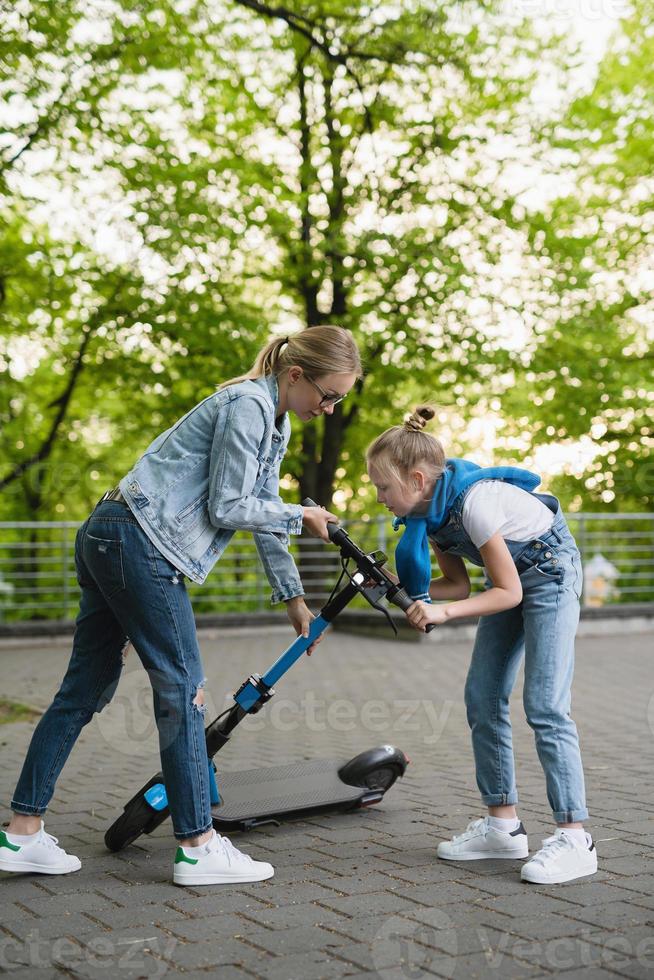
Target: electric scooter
(248,799)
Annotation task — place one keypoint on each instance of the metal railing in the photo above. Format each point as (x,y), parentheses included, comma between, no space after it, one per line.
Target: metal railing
(38,581)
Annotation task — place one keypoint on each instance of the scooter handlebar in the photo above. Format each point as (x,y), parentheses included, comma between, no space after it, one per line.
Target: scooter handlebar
(339,536)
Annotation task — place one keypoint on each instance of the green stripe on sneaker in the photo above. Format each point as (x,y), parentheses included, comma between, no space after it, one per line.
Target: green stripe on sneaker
(180,856)
(5,842)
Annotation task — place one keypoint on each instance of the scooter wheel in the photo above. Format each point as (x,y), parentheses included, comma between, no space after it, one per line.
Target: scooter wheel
(375,769)
(137,818)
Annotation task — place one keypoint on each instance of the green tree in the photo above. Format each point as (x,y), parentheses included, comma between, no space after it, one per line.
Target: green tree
(263,168)
(589,375)
(328,165)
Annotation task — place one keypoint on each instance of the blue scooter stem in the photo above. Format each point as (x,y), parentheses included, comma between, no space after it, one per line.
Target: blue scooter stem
(249,695)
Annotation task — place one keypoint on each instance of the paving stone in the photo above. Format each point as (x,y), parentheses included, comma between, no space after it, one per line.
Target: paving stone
(288,916)
(505,884)
(635,865)
(590,892)
(530,901)
(283,942)
(46,905)
(299,893)
(617,915)
(151,914)
(591,973)
(552,927)
(494,963)
(631,953)
(346,868)
(52,926)
(225,901)
(230,926)
(447,893)
(644,884)
(308,965)
(218,953)
(381,903)
(559,954)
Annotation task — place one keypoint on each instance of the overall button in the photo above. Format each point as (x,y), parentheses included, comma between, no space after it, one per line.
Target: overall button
(548,554)
(538,545)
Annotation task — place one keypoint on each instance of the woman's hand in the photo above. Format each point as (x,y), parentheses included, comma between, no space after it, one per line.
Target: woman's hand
(316,519)
(421,614)
(301,618)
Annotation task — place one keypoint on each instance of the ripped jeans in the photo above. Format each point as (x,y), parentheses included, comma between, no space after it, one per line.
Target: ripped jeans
(129,590)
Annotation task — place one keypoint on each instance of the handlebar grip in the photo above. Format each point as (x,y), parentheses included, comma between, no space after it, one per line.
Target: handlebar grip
(402,599)
(332,527)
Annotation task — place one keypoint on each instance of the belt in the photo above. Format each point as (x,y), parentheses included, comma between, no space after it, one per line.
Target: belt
(115,495)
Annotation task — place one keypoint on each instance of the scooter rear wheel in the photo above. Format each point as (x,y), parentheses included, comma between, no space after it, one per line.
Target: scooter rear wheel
(137,818)
(375,769)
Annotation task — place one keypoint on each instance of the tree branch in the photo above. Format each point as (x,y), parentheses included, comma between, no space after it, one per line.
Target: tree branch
(62,402)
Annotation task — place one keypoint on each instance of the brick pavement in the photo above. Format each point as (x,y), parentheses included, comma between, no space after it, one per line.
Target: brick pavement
(358,894)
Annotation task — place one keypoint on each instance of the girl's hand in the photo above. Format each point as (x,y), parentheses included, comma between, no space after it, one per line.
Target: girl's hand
(421,614)
(301,618)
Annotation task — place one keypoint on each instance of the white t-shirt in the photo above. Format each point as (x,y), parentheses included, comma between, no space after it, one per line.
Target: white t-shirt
(493,506)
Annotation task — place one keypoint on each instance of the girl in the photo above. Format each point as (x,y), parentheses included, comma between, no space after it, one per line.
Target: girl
(214,472)
(531,607)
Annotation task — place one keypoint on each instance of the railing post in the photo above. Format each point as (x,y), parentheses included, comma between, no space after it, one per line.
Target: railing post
(582,542)
(260,576)
(382,533)
(65,590)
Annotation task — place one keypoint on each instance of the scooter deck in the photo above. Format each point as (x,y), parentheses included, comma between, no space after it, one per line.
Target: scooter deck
(253,794)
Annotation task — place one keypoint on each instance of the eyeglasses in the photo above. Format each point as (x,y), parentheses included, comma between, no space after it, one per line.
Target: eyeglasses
(326,399)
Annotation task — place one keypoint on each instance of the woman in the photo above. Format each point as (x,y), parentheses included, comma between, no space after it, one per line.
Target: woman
(214,472)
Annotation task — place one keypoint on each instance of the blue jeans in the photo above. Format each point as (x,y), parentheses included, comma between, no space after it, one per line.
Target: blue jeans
(542,628)
(129,590)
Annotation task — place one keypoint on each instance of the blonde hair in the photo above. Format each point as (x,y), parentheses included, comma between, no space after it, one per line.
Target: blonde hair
(405,447)
(317,350)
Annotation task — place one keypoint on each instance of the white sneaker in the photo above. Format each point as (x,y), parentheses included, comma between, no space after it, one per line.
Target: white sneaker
(39,852)
(480,840)
(561,858)
(217,862)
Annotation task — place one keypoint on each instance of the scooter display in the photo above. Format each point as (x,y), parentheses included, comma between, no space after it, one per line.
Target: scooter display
(250,798)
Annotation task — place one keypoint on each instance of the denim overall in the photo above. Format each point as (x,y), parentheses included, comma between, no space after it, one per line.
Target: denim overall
(542,627)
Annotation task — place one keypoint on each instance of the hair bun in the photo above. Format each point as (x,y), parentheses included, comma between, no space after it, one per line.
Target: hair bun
(419,418)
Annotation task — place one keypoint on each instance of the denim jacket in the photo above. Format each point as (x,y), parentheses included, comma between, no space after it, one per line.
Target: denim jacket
(216,471)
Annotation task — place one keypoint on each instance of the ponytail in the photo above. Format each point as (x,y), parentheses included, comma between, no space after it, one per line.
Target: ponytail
(406,447)
(317,350)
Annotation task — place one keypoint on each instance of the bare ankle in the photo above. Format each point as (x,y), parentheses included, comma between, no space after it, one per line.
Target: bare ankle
(504,812)
(196,841)
(23,824)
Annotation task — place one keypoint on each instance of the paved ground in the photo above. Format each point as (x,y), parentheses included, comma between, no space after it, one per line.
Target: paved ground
(357,894)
